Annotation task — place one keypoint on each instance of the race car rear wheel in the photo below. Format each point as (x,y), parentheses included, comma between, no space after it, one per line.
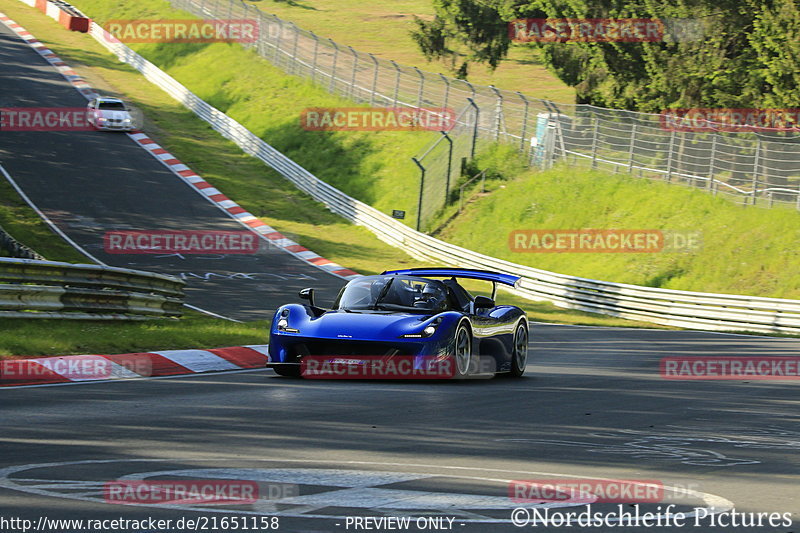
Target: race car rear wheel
(462,351)
(519,359)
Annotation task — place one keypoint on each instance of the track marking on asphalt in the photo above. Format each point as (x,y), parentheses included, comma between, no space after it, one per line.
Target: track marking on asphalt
(714,504)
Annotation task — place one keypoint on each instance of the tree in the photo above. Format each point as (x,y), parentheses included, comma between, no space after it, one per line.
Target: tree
(748,55)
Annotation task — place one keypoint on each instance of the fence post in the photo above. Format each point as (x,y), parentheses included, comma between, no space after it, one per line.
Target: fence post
(755,171)
(230,9)
(669,154)
(396,82)
(294,48)
(449,167)
(316,53)
(421,186)
(332,87)
(498,112)
(524,132)
(277,54)
(374,81)
(474,127)
(446,91)
(355,68)
(595,134)
(798,197)
(421,87)
(711,162)
(631,148)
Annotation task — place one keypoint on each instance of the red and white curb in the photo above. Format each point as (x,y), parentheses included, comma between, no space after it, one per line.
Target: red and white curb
(234,210)
(81,368)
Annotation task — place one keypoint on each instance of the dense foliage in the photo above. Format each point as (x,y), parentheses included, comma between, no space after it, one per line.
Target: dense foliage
(748,56)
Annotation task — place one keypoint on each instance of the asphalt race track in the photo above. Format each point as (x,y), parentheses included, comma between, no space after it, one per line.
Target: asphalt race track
(88,183)
(592,405)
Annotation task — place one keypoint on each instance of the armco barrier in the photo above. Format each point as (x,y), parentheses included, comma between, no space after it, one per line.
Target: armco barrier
(49,289)
(708,311)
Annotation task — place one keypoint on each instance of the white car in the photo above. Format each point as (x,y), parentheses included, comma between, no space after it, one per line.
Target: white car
(109,114)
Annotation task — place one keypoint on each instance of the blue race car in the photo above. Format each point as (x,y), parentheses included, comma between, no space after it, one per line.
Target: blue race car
(405,314)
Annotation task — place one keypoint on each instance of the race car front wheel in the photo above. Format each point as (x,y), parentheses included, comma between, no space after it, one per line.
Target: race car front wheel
(462,351)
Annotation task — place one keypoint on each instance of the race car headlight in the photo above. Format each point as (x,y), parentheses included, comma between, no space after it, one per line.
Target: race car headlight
(283,323)
(429,330)
(102,119)
(127,121)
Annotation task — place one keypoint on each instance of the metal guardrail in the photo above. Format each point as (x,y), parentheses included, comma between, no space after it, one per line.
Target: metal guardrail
(51,289)
(661,306)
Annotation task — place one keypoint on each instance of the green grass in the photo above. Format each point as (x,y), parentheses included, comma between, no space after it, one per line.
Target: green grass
(744,250)
(259,189)
(33,337)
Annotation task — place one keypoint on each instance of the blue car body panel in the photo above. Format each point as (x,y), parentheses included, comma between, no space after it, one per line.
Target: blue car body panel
(311,331)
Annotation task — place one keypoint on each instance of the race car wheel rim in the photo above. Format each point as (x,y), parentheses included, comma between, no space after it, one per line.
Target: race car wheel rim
(521,347)
(462,351)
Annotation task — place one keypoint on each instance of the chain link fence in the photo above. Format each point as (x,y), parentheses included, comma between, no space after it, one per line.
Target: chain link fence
(756,168)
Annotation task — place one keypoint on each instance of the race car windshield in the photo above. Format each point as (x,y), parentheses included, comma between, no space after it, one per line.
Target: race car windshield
(393,293)
(112,106)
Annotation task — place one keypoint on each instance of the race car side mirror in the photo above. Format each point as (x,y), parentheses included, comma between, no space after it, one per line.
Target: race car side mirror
(482,302)
(307,294)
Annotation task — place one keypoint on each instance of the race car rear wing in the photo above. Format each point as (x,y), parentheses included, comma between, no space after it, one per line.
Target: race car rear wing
(468,273)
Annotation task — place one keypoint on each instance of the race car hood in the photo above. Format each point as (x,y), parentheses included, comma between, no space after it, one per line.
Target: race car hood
(357,325)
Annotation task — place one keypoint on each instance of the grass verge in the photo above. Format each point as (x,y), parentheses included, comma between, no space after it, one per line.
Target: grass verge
(743,250)
(64,337)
